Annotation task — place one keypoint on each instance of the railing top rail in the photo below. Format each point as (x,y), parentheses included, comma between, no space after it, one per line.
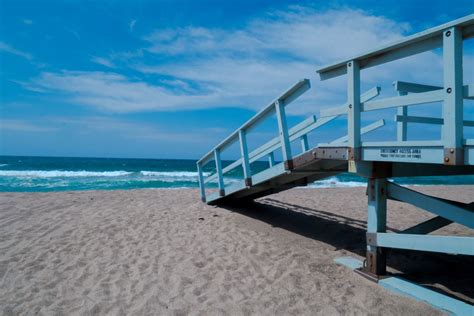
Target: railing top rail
(286,97)
(411,45)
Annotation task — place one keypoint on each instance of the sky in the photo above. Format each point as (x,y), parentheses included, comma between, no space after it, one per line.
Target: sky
(170,79)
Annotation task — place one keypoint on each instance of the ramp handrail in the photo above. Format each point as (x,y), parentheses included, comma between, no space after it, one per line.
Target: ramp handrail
(278,105)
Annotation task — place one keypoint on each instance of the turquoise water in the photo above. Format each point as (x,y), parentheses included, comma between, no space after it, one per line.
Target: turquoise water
(37,174)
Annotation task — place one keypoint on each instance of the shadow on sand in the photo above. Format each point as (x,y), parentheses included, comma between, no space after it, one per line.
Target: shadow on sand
(448,274)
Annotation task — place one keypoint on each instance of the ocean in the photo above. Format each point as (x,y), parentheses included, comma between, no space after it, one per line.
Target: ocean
(43,174)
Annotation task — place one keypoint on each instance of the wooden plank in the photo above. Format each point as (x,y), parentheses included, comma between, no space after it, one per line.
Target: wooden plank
(428,226)
(432,243)
(340,110)
(353,98)
(431,204)
(410,99)
(453,96)
(426,120)
(363,130)
(411,45)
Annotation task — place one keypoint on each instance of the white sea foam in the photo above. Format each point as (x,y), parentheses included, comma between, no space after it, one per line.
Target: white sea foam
(334,182)
(61,173)
(174,174)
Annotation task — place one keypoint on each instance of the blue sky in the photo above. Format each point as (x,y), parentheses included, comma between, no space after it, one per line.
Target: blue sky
(169,79)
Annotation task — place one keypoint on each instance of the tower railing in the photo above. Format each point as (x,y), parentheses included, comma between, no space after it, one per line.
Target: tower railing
(449,37)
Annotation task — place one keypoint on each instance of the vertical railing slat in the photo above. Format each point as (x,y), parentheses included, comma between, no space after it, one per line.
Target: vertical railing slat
(304,143)
(220,177)
(202,187)
(245,158)
(283,134)
(453,101)
(402,127)
(271,159)
(353,116)
(376,222)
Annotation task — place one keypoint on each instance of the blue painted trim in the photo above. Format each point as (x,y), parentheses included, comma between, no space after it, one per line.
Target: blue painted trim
(415,291)
(433,298)
(460,245)
(349,262)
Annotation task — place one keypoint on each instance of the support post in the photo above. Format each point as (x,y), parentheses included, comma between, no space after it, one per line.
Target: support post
(304,143)
(353,115)
(271,159)
(402,127)
(220,176)
(202,187)
(245,158)
(283,133)
(376,223)
(453,97)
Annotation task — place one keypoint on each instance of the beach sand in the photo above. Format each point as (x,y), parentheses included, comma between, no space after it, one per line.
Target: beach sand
(150,252)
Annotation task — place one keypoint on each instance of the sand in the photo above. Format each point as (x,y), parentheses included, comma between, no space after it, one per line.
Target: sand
(150,252)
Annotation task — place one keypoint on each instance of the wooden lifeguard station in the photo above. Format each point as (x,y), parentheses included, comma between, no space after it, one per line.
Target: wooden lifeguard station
(378,161)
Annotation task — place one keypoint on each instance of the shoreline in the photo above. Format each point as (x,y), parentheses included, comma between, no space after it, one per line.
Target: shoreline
(308,187)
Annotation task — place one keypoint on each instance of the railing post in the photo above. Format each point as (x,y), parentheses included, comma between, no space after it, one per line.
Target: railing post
(271,159)
(245,158)
(402,127)
(283,133)
(220,177)
(453,100)
(376,223)
(304,143)
(202,187)
(353,115)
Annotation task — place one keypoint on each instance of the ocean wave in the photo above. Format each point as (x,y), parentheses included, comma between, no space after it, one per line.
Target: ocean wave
(61,173)
(3,164)
(173,174)
(336,183)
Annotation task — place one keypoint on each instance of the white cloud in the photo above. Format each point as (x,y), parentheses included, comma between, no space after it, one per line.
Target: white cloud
(131,25)
(197,67)
(4,47)
(103,61)
(299,32)
(128,130)
(24,126)
(116,93)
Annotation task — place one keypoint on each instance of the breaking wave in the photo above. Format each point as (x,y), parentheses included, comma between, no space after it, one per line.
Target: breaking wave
(61,173)
(334,182)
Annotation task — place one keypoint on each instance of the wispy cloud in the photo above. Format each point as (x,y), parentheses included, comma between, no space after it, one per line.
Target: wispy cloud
(196,67)
(24,126)
(126,129)
(103,61)
(116,93)
(131,25)
(27,21)
(4,47)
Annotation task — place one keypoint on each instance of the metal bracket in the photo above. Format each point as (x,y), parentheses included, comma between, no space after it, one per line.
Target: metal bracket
(454,156)
(376,261)
(248,182)
(370,276)
(371,239)
(353,153)
(336,153)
